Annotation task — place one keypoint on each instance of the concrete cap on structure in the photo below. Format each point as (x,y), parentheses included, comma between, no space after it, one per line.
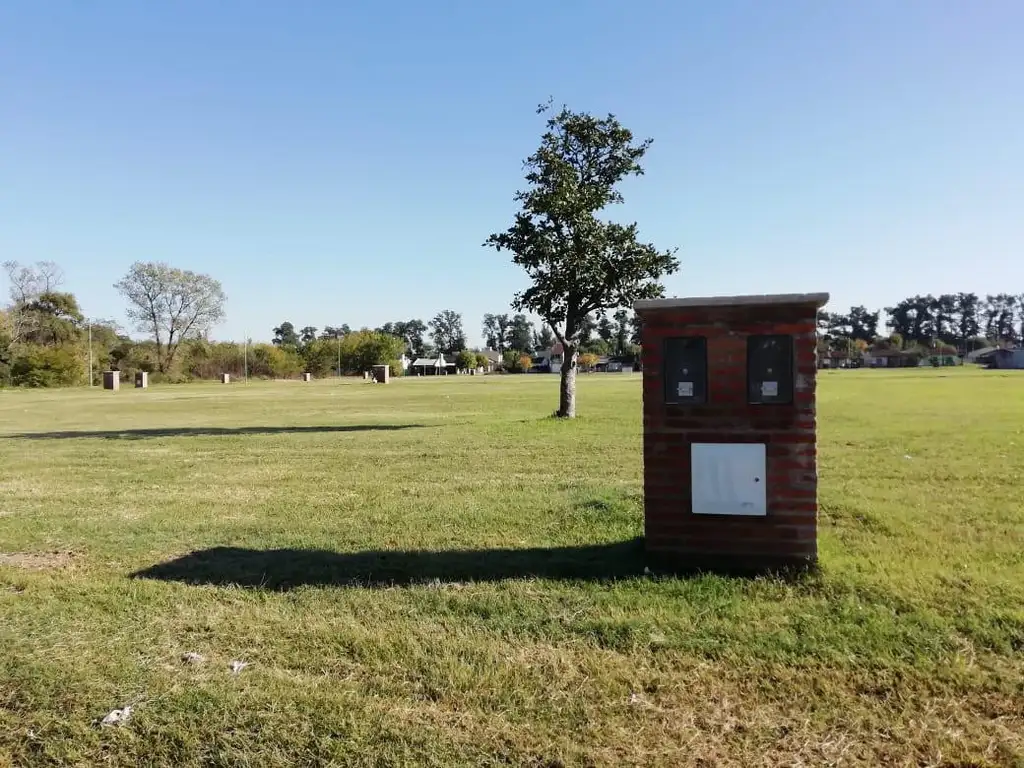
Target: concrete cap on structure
(762,300)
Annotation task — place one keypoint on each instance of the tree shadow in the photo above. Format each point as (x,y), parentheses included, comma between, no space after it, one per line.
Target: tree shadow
(284,569)
(143,434)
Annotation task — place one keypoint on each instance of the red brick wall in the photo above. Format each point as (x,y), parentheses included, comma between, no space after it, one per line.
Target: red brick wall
(788,533)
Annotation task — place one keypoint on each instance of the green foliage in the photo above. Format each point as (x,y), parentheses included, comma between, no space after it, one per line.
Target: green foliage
(269,362)
(285,336)
(396,368)
(465,360)
(482,361)
(520,334)
(577,263)
(319,356)
(543,339)
(39,366)
(361,350)
(410,331)
(511,361)
(52,318)
(171,305)
(208,361)
(446,330)
(496,332)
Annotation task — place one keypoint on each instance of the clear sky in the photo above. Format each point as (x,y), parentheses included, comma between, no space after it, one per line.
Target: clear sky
(337,162)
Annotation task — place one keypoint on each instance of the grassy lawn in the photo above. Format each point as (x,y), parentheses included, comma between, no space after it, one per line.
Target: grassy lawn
(433,573)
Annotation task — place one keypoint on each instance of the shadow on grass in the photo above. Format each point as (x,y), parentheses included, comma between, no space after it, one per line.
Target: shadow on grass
(283,569)
(142,434)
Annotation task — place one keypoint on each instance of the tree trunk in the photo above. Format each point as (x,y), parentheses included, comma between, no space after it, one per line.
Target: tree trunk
(567,389)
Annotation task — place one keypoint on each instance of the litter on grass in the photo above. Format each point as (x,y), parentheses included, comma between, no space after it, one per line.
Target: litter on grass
(117,716)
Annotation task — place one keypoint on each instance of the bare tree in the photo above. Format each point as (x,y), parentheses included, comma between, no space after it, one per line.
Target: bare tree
(27,284)
(171,305)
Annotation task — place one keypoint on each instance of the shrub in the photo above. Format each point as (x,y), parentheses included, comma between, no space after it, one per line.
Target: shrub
(397,369)
(482,361)
(269,362)
(37,366)
(465,360)
(362,350)
(320,356)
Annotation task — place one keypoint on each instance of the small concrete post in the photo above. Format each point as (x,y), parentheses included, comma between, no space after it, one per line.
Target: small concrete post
(225,378)
(380,373)
(112,380)
(141,380)
(307,377)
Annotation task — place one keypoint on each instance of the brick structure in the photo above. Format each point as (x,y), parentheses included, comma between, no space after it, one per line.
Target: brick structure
(685,411)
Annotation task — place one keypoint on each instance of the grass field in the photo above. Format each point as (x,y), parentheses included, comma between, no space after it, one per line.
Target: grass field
(434,573)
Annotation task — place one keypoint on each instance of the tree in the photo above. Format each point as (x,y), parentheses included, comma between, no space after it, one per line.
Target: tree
(605,329)
(520,335)
(482,361)
(577,263)
(446,330)
(965,316)
(307,335)
(29,282)
(544,338)
(588,360)
(171,304)
(285,336)
(361,350)
(636,327)
(863,325)
(319,356)
(53,319)
(622,331)
(587,329)
(525,363)
(465,360)
(332,332)
(410,331)
(496,331)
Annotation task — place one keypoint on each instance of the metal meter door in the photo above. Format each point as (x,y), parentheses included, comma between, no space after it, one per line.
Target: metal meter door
(728,479)
(770,369)
(686,370)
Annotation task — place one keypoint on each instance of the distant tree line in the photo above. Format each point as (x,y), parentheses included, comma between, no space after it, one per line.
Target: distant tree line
(615,336)
(955,322)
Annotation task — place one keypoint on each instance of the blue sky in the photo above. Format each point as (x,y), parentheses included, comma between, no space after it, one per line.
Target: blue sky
(343,162)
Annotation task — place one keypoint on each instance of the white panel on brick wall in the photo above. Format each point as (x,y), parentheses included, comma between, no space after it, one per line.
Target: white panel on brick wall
(728,479)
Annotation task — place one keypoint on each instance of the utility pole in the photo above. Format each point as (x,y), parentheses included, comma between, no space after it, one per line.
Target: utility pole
(245,358)
(90,352)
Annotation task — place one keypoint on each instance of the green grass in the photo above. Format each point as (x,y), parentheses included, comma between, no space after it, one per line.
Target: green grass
(434,573)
